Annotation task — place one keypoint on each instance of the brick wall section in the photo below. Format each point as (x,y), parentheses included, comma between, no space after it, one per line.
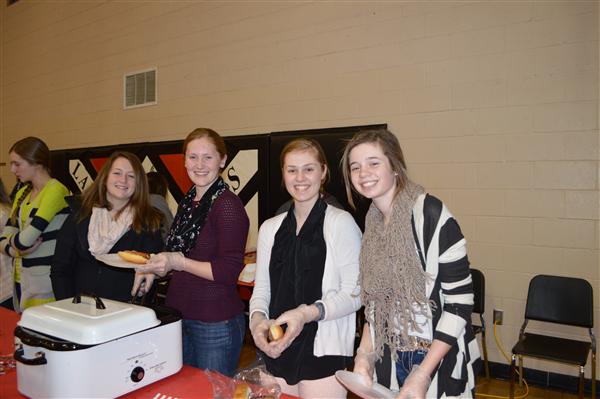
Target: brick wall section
(495,103)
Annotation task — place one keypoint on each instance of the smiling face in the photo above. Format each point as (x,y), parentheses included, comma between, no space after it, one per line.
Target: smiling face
(22,169)
(120,183)
(371,174)
(203,163)
(303,176)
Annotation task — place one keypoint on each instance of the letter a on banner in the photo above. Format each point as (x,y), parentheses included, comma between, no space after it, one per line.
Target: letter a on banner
(80,174)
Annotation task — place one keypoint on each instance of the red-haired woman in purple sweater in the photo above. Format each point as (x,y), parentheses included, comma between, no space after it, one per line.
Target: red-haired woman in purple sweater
(206,242)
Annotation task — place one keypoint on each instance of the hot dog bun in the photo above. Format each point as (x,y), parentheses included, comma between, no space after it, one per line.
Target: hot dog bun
(275,332)
(134,256)
(242,391)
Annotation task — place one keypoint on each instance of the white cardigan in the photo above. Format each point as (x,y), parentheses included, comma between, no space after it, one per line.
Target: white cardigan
(341,293)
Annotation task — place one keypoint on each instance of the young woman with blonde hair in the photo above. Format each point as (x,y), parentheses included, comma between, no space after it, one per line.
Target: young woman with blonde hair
(306,279)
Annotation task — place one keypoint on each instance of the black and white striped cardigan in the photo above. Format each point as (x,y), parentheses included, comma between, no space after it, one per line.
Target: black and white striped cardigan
(442,249)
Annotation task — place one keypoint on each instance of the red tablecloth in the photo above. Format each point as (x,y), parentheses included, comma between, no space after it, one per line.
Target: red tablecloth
(190,382)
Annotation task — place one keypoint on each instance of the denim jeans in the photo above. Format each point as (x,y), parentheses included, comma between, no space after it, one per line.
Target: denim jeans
(214,346)
(405,362)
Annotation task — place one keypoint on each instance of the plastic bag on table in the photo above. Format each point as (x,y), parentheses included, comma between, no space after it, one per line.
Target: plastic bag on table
(252,382)
(222,386)
(260,381)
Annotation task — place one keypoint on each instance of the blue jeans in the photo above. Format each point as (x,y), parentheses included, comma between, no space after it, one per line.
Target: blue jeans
(405,362)
(214,346)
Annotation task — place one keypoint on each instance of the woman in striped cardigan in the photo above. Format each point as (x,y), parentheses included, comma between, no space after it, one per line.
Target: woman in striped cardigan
(38,212)
(415,279)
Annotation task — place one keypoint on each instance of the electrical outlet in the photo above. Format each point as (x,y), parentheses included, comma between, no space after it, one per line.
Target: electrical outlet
(498,316)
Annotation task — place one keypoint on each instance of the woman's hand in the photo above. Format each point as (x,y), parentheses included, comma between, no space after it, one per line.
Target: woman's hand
(259,327)
(31,249)
(294,319)
(416,384)
(142,283)
(163,263)
(364,365)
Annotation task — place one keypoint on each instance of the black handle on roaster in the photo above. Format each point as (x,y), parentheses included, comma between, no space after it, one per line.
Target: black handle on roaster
(99,303)
(36,361)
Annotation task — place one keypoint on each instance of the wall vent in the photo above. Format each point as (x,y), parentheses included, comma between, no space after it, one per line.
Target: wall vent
(140,88)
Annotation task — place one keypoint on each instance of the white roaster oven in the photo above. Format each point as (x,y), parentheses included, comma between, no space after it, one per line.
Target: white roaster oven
(87,347)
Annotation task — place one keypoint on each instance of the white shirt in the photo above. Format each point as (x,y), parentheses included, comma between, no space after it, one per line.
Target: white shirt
(341,293)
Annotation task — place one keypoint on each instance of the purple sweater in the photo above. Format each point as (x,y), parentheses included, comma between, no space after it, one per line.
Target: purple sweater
(221,242)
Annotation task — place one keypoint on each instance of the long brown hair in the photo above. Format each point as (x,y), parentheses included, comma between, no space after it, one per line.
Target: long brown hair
(145,217)
(35,152)
(390,146)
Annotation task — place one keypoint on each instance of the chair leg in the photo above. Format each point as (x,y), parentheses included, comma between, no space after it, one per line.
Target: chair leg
(511,394)
(486,365)
(593,375)
(520,371)
(581,382)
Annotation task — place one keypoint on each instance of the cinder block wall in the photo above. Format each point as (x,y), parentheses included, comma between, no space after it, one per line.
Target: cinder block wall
(495,103)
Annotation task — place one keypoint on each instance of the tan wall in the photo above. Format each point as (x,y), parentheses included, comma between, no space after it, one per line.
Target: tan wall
(496,104)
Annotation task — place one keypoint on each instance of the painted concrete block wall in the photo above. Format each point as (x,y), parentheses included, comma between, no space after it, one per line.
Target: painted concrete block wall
(495,103)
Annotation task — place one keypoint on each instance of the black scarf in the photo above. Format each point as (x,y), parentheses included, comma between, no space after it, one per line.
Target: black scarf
(297,261)
(190,219)
(296,273)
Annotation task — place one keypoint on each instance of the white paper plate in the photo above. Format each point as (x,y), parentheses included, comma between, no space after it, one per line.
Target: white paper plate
(116,261)
(356,383)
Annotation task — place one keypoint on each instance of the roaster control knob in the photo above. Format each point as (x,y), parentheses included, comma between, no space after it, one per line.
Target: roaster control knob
(137,374)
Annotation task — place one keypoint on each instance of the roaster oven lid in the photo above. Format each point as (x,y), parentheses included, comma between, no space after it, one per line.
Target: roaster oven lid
(86,322)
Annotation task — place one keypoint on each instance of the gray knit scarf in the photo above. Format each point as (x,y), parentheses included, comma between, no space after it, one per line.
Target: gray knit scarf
(392,278)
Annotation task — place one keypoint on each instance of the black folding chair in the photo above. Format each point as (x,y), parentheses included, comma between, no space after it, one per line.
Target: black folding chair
(479,308)
(561,300)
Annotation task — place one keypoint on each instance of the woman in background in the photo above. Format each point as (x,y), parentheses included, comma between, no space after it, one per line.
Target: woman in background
(6,262)
(114,215)
(157,186)
(415,278)
(206,247)
(306,278)
(38,212)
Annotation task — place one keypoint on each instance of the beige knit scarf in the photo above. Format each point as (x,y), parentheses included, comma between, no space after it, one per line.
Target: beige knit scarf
(392,278)
(104,231)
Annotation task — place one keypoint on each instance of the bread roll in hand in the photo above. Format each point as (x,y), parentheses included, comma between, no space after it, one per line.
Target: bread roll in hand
(275,332)
(134,256)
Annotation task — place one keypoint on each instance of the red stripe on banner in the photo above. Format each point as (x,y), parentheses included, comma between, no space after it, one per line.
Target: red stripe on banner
(98,163)
(175,165)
